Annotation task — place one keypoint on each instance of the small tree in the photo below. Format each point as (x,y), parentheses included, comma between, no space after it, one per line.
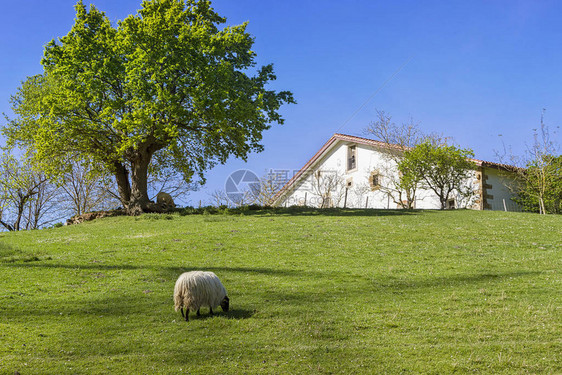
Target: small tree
(540,187)
(397,139)
(269,186)
(219,198)
(329,186)
(441,168)
(261,191)
(538,171)
(86,189)
(46,207)
(19,185)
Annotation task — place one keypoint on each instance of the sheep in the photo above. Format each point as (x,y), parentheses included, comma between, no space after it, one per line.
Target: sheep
(165,200)
(199,288)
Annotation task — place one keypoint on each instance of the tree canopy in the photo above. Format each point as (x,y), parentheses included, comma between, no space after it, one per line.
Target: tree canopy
(540,185)
(166,88)
(398,139)
(444,169)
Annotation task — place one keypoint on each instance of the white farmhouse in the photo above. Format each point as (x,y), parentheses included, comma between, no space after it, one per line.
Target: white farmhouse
(356,172)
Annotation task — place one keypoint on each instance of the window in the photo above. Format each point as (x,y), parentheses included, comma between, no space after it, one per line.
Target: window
(351,157)
(451,204)
(375,180)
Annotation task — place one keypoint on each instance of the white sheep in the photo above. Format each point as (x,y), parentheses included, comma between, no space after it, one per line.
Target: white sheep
(199,288)
(165,200)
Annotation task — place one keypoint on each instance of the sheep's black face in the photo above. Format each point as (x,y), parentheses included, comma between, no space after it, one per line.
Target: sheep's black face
(225,304)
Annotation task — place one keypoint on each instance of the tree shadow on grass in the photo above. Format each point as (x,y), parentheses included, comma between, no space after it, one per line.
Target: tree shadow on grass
(176,271)
(293,211)
(129,300)
(381,281)
(310,211)
(168,271)
(401,284)
(10,254)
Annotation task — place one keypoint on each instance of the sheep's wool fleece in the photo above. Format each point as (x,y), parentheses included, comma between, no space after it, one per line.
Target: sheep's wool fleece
(196,289)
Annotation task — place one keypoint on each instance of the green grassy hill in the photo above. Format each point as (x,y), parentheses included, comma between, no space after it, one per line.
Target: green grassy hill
(335,292)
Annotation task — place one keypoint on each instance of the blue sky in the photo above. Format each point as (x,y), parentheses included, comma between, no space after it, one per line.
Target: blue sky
(473,70)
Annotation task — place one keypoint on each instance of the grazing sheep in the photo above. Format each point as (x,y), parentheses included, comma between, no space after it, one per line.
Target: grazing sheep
(165,200)
(199,288)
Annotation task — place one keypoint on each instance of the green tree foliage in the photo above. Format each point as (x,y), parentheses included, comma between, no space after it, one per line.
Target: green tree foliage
(540,188)
(397,139)
(537,172)
(441,168)
(165,88)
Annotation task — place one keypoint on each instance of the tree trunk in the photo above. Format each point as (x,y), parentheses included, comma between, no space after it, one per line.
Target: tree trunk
(123,185)
(542,208)
(139,201)
(22,200)
(443,201)
(7,226)
(410,199)
(134,192)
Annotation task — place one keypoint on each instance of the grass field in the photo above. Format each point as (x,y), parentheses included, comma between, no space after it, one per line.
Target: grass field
(310,292)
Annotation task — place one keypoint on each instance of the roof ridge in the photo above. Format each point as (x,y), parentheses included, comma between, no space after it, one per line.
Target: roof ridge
(394,145)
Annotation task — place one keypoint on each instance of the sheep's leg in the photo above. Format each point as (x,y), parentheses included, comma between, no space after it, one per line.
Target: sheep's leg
(181,309)
(187,315)
(211,309)
(199,312)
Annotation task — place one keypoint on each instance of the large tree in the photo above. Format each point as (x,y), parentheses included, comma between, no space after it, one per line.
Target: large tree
(166,86)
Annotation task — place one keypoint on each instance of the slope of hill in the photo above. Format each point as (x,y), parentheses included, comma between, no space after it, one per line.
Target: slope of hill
(335,292)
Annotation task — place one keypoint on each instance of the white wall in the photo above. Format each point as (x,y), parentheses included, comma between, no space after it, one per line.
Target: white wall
(499,191)
(360,194)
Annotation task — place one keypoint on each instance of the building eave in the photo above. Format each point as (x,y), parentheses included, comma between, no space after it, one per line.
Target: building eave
(305,168)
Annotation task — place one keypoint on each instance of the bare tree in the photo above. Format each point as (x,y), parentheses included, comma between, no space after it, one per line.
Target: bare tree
(397,137)
(239,198)
(219,198)
(540,159)
(396,140)
(269,185)
(329,187)
(537,170)
(19,185)
(46,207)
(259,192)
(358,191)
(87,190)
